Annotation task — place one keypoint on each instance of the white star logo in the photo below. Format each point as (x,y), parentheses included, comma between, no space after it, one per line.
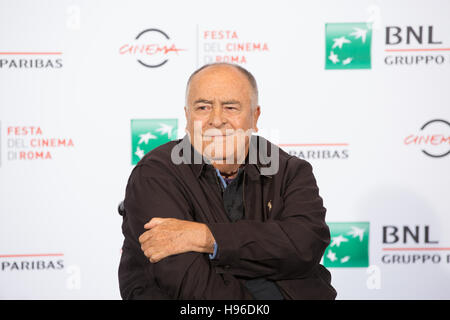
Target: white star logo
(331,255)
(338,42)
(164,128)
(357,232)
(359,33)
(139,152)
(347,61)
(145,137)
(333,57)
(338,240)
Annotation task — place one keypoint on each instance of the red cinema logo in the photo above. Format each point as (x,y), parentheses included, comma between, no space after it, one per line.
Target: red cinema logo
(152,48)
(433,138)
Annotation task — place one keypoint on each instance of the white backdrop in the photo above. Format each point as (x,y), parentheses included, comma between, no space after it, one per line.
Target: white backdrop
(69,80)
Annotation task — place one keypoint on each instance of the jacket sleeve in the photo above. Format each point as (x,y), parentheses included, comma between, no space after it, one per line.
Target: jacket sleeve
(287,246)
(184,276)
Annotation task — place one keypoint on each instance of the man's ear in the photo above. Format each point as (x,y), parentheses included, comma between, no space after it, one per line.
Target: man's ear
(256,114)
(186,113)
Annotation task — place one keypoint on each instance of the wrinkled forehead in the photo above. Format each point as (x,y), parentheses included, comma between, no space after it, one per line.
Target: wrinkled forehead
(219,82)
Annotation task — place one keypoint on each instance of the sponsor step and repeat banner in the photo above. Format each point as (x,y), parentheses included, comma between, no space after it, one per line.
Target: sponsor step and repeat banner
(360,89)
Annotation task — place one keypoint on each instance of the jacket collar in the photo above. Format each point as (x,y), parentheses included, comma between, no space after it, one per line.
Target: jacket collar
(253,170)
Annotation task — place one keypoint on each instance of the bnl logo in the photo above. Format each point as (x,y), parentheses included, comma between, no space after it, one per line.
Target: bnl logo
(348,45)
(349,246)
(147,134)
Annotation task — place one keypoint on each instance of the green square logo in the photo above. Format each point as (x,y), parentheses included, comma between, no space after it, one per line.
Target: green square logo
(349,246)
(348,45)
(147,134)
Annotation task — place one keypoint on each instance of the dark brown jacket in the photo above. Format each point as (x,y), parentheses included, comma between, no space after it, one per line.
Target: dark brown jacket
(282,236)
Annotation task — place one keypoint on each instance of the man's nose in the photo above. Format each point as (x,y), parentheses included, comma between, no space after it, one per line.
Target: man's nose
(217,118)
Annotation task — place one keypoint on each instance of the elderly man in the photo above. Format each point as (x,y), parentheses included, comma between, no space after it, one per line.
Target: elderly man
(223,223)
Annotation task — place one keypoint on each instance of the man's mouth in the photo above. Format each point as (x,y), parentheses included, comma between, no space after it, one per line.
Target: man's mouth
(218,135)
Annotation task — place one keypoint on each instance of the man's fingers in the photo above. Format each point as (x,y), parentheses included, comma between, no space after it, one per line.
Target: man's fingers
(153,223)
(144,237)
(144,246)
(154,258)
(148,253)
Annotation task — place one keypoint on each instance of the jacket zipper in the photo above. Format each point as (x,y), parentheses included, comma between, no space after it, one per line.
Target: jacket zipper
(243,196)
(218,183)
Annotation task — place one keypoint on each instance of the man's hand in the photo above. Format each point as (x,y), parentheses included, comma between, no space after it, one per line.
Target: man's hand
(169,236)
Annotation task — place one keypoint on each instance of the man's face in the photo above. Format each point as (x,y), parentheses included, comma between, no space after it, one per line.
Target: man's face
(219,113)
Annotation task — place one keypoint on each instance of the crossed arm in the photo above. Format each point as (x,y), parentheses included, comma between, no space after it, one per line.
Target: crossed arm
(176,276)
(174,245)
(169,236)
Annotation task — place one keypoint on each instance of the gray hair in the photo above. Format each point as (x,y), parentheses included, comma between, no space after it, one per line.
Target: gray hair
(251,79)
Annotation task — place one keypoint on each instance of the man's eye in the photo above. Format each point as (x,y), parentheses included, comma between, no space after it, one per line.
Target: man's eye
(230,108)
(202,107)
